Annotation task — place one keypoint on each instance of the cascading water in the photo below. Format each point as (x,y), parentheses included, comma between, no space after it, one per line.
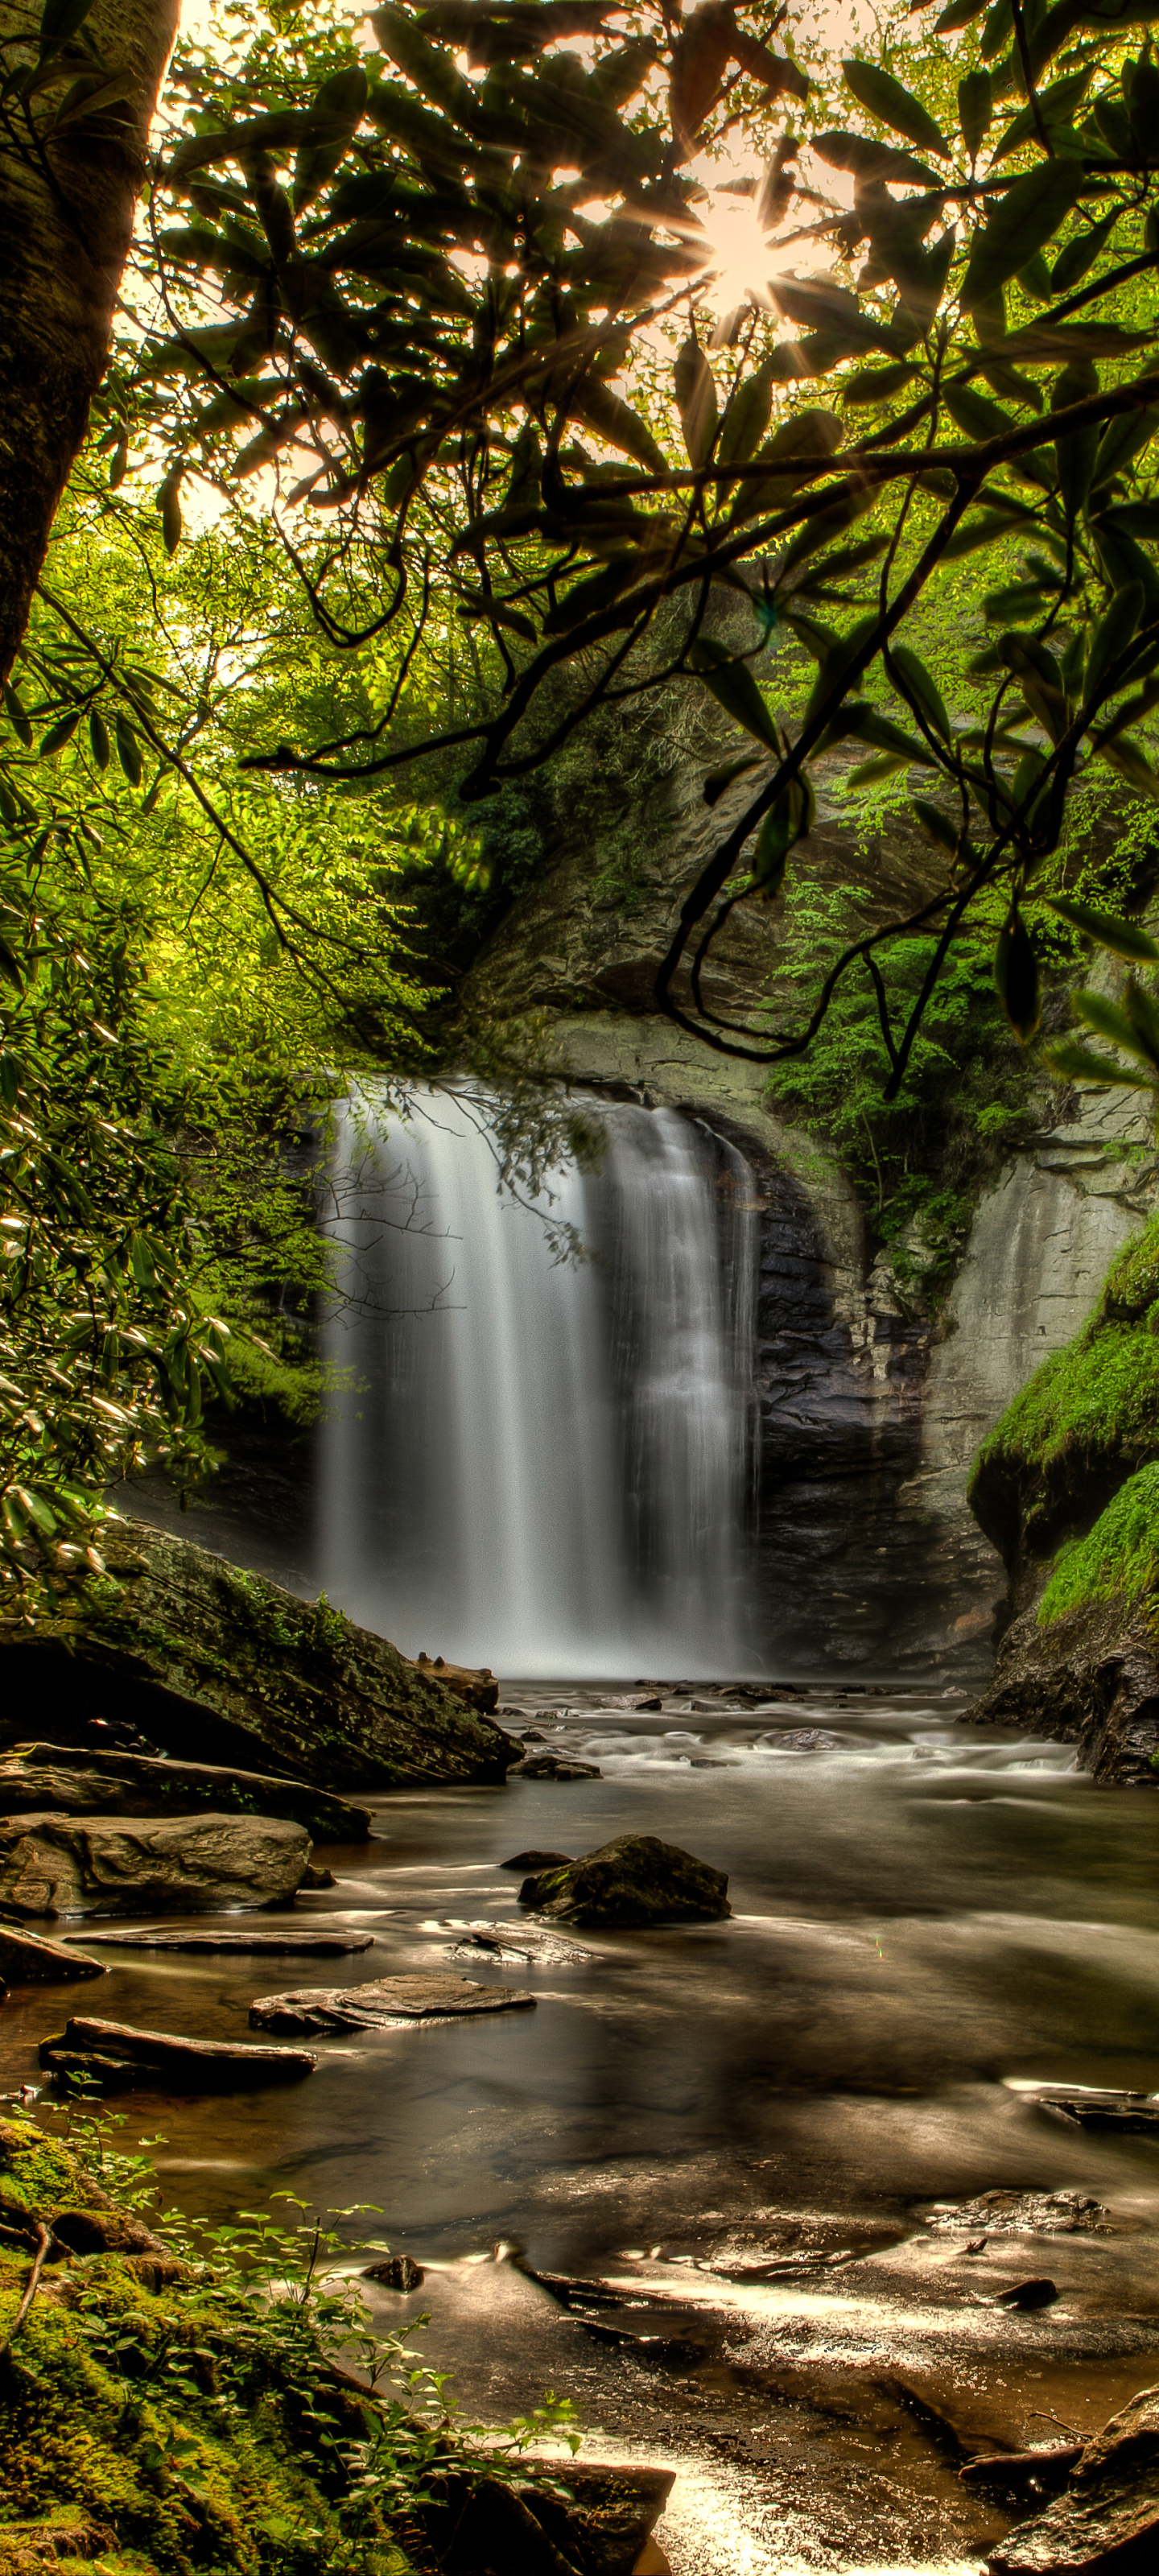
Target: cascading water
(537,1463)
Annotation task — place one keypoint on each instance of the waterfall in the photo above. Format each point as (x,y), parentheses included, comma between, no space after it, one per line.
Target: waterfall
(541,1463)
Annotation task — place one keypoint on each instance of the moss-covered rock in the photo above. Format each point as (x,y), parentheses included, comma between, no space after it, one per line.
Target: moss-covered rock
(211,1663)
(1087,1421)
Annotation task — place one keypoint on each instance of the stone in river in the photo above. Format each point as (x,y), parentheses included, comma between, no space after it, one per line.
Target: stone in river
(117,2052)
(637,1879)
(1108,2515)
(1135,2113)
(383,2001)
(53,1864)
(26,1958)
(396,2273)
(1028,2294)
(538,1860)
(554,1766)
(281,1945)
(54,1779)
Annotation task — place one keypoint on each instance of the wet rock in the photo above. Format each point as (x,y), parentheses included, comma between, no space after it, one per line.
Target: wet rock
(1023,2474)
(805,1739)
(511,1945)
(382,2002)
(26,1958)
(114,2052)
(315,1880)
(210,1663)
(1027,2295)
(476,1689)
(636,1879)
(51,1778)
(396,2273)
(51,1864)
(1020,2213)
(554,1766)
(1137,2114)
(538,1860)
(1108,2513)
(601,2527)
(1090,1677)
(281,1945)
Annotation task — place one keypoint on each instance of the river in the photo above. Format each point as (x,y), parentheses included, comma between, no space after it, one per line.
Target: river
(925,1920)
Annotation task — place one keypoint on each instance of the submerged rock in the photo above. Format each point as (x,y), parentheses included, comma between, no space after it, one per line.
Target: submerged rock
(382,2001)
(289,1944)
(1108,2514)
(538,1860)
(75,1864)
(212,1663)
(397,2272)
(115,2052)
(554,1766)
(51,1777)
(26,1958)
(635,1879)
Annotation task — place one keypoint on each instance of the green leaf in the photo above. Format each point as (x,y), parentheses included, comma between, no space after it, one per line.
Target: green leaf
(746,418)
(872,163)
(696,401)
(1077,256)
(924,689)
(16,716)
(984,530)
(60,20)
(975,109)
(128,749)
(719,780)
(1022,221)
(1055,106)
(939,826)
(1081,1064)
(885,98)
(59,734)
(976,414)
(99,739)
(1108,1021)
(1132,764)
(594,403)
(784,825)
(732,685)
(877,384)
(1016,977)
(1111,637)
(169,505)
(1123,938)
(1123,439)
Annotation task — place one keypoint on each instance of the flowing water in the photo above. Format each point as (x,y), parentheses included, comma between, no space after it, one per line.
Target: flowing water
(925,1921)
(542,1459)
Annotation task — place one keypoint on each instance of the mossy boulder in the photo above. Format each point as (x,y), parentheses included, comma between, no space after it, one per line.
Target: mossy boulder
(137,1865)
(1086,1422)
(213,1664)
(635,1880)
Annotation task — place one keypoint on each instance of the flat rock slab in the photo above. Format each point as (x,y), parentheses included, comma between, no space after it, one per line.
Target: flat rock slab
(119,2050)
(1137,2114)
(55,1864)
(48,1778)
(553,1766)
(385,2000)
(271,1945)
(633,1881)
(1108,2515)
(26,1958)
(498,1945)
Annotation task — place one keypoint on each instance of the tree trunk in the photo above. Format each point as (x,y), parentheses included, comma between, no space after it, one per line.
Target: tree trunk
(66,219)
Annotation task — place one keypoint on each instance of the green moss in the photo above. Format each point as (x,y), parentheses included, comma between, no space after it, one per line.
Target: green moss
(1119,1558)
(1088,1419)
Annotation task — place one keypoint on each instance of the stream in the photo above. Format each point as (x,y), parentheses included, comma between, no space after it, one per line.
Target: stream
(726,2145)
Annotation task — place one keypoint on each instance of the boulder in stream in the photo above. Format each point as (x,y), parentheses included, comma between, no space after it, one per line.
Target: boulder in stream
(51,1864)
(382,2002)
(53,1777)
(637,1879)
(1108,2513)
(116,2053)
(210,1663)
(26,1959)
(554,1766)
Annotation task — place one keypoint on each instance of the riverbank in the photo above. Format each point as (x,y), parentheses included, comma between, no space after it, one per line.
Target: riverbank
(723,2183)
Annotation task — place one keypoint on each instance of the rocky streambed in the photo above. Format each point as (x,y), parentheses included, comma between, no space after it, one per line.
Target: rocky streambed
(769,2195)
